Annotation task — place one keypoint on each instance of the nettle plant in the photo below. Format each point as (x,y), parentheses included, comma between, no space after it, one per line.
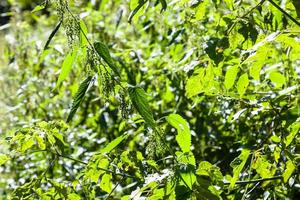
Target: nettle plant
(242,85)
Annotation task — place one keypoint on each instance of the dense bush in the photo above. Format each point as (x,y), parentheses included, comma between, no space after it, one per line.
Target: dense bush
(150,99)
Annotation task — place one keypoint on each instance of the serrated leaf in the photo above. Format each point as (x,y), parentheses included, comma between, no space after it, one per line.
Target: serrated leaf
(294,130)
(277,78)
(103,52)
(238,164)
(230,76)
(67,66)
(52,34)
(79,97)
(242,84)
(3,159)
(188,176)
(113,144)
(106,184)
(38,8)
(183,137)
(290,168)
(139,100)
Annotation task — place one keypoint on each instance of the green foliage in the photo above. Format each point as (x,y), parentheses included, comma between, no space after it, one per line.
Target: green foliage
(228,69)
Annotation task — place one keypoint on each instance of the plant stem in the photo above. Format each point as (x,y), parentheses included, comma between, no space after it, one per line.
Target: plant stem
(256,180)
(284,12)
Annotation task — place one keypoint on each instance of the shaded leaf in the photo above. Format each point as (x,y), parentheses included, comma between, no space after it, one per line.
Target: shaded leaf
(103,52)
(139,99)
(140,4)
(79,97)
(52,34)
(238,164)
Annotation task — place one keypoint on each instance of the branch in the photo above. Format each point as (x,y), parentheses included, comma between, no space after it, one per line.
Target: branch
(256,180)
(284,12)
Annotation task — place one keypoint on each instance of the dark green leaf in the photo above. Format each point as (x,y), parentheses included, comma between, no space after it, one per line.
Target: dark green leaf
(139,99)
(52,34)
(79,97)
(103,52)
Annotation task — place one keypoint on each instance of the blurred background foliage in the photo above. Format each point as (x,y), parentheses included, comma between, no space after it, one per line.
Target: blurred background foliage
(229,68)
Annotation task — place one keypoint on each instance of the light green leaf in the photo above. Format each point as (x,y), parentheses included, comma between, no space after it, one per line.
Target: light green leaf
(207,169)
(139,100)
(113,144)
(294,130)
(106,184)
(103,52)
(68,63)
(263,167)
(230,76)
(242,84)
(57,135)
(79,97)
(3,159)
(38,8)
(40,141)
(277,78)
(183,137)
(290,168)
(194,84)
(74,196)
(137,7)
(83,33)
(188,176)
(238,164)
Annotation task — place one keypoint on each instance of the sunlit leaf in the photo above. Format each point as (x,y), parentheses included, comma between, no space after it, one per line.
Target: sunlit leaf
(294,130)
(242,84)
(183,137)
(68,63)
(38,8)
(231,76)
(113,144)
(290,168)
(83,33)
(277,78)
(3,159)
(106,184)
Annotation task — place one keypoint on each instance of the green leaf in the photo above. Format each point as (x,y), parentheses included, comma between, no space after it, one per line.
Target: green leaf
(113,144)
(230,76)
(38,8)
(163,4)
(290,168)
(3,159)
(40,141)
(277,78)
(138,5)
(238,164)
(79,97)
(263,167)
(183,137)
(296,4)
(242,84)
(103,52)
(187,173)
(106,184)
(139,100)
(27,143)
(67,66)
(74,196)
(294,130)
(207,169)
(83,33)
(194,85)
(52,34)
